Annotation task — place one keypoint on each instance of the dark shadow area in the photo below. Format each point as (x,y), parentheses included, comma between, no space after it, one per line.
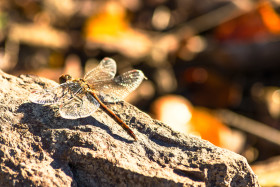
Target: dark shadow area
(194,175)
(39,117)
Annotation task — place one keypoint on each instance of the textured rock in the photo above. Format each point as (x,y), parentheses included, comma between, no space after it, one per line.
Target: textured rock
(39,148)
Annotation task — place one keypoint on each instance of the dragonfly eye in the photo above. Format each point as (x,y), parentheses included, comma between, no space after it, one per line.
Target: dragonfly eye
(64,78)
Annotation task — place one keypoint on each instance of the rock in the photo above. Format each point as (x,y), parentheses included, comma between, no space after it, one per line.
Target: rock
(39,148)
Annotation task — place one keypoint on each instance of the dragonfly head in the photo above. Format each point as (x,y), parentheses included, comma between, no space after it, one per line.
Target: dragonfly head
(64,78)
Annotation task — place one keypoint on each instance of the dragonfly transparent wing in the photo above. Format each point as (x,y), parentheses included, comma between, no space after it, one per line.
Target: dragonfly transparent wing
(54,95)
(118,88)
(80,106)
(106,70)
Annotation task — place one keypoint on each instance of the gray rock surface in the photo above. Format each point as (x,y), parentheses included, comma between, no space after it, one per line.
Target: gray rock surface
(39,148)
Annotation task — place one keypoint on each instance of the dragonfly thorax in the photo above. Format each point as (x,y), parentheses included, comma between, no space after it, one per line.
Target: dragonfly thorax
(82,83)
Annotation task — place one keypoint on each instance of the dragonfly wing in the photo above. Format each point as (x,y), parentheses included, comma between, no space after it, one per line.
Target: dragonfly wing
(106,70)
(55,94)
(118,88)
(80,106)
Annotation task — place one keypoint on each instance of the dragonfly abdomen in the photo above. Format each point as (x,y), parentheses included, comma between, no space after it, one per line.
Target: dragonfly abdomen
(114,116)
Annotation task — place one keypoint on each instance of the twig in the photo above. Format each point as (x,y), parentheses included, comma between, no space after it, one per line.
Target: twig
(250,126)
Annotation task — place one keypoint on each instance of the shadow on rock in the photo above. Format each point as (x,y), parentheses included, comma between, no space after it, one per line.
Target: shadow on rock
(43,118)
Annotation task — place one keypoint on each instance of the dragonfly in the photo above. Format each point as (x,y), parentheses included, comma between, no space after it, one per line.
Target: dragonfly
(80,98)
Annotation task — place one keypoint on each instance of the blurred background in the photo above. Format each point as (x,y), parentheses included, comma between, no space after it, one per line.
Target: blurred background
(213,67)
